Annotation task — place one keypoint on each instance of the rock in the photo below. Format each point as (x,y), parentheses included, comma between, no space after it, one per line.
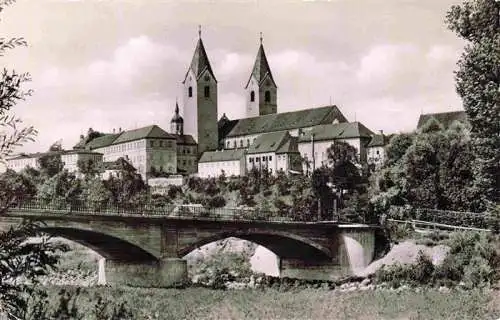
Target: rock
(444,289)
(366,282)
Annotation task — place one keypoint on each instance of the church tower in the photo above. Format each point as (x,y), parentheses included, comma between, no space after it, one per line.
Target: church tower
(261,90)
(177,123)
(200,100)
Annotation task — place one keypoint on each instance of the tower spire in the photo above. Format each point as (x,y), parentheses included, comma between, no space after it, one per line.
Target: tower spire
(199,31)
(261,38)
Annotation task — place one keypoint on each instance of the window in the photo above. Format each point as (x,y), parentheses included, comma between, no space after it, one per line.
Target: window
(234,144)
(241,143)
(190,92)
(270,158)
(207,92)
(250,159)
(184,162)
(264,158)
(252,96)
(267,97)
(248,142)
(378,152)
(229,144)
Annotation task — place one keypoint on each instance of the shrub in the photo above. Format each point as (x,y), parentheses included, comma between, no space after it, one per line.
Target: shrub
(215,202)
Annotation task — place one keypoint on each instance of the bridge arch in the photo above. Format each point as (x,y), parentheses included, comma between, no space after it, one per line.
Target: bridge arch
(283,244)
(108,246)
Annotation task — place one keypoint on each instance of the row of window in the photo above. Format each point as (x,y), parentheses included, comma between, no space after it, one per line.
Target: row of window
(257,159)
(218,164)
(185,162)
(206,92)
(267,96)
(242,143)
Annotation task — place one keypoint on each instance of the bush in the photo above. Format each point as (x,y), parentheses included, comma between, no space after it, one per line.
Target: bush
(472,260)
(215,202)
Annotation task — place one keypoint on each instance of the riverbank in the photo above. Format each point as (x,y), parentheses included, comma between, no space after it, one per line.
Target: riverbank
(202,303)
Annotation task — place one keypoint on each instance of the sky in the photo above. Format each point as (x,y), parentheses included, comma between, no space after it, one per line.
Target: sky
(120,64)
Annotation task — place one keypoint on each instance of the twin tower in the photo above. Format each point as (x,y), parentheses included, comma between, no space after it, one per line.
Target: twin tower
(200,96)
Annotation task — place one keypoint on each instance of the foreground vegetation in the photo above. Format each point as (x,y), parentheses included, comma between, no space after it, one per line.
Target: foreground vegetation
(201,303)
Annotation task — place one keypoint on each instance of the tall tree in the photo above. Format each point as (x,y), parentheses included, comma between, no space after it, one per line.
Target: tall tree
(478,83)
(18,257)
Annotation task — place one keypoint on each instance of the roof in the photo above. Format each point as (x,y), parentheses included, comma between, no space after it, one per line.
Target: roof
(151,132)
(337,131)
(200,62)
(287,121)
(223,155)
(378,140)
(225,125)
(177,118)
(80,152)
(101,142)
(445,118)
(185,139)
(278,142)
(261,69)
(26,156)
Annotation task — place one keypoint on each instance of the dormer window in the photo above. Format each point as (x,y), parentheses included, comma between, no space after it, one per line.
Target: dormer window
(190,92)
(252,96)
(207,92)
(267,96)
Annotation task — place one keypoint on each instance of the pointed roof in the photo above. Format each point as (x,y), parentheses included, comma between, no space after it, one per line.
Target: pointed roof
(200,62)
(177,118)
(261,69)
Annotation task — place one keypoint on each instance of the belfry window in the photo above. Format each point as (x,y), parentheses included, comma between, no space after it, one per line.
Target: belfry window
(190,92)
(207,92)
(267,97)
(252,96)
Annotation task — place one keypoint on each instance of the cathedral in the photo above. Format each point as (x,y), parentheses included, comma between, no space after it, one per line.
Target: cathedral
(200,143)
(309,132)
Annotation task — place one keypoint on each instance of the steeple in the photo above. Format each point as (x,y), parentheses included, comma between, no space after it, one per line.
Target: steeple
(261,87)
(261,69)
(200,100)
(200,63)
(177,123)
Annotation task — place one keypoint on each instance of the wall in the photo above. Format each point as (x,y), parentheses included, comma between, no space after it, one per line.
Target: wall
(19,164)
(187,157)
(261,164)
(376,155)
(214,169)
(320,148)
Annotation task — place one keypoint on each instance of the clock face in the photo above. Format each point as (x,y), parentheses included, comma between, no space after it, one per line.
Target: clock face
(268,83)
(207,78)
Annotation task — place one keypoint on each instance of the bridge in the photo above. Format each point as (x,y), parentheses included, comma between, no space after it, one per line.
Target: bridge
(146,247)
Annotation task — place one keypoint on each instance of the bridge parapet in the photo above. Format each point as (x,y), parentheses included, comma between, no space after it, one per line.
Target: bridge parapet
(39,207)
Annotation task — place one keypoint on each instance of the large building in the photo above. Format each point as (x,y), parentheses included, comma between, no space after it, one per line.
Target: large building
(310,131)
(264,138)
(69,158)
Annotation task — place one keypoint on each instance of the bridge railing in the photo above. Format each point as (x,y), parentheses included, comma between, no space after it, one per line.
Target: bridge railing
(82,207)
(446,217)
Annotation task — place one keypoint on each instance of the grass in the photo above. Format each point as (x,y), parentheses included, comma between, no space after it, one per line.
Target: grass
(200,303)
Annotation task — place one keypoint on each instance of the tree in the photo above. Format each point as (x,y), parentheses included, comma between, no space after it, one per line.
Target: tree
(14,188)
(50,163)
(345,171)
(478,84)
(88,167)
(19,257)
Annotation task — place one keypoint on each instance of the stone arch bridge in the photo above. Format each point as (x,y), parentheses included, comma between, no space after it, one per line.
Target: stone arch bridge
(148,250)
